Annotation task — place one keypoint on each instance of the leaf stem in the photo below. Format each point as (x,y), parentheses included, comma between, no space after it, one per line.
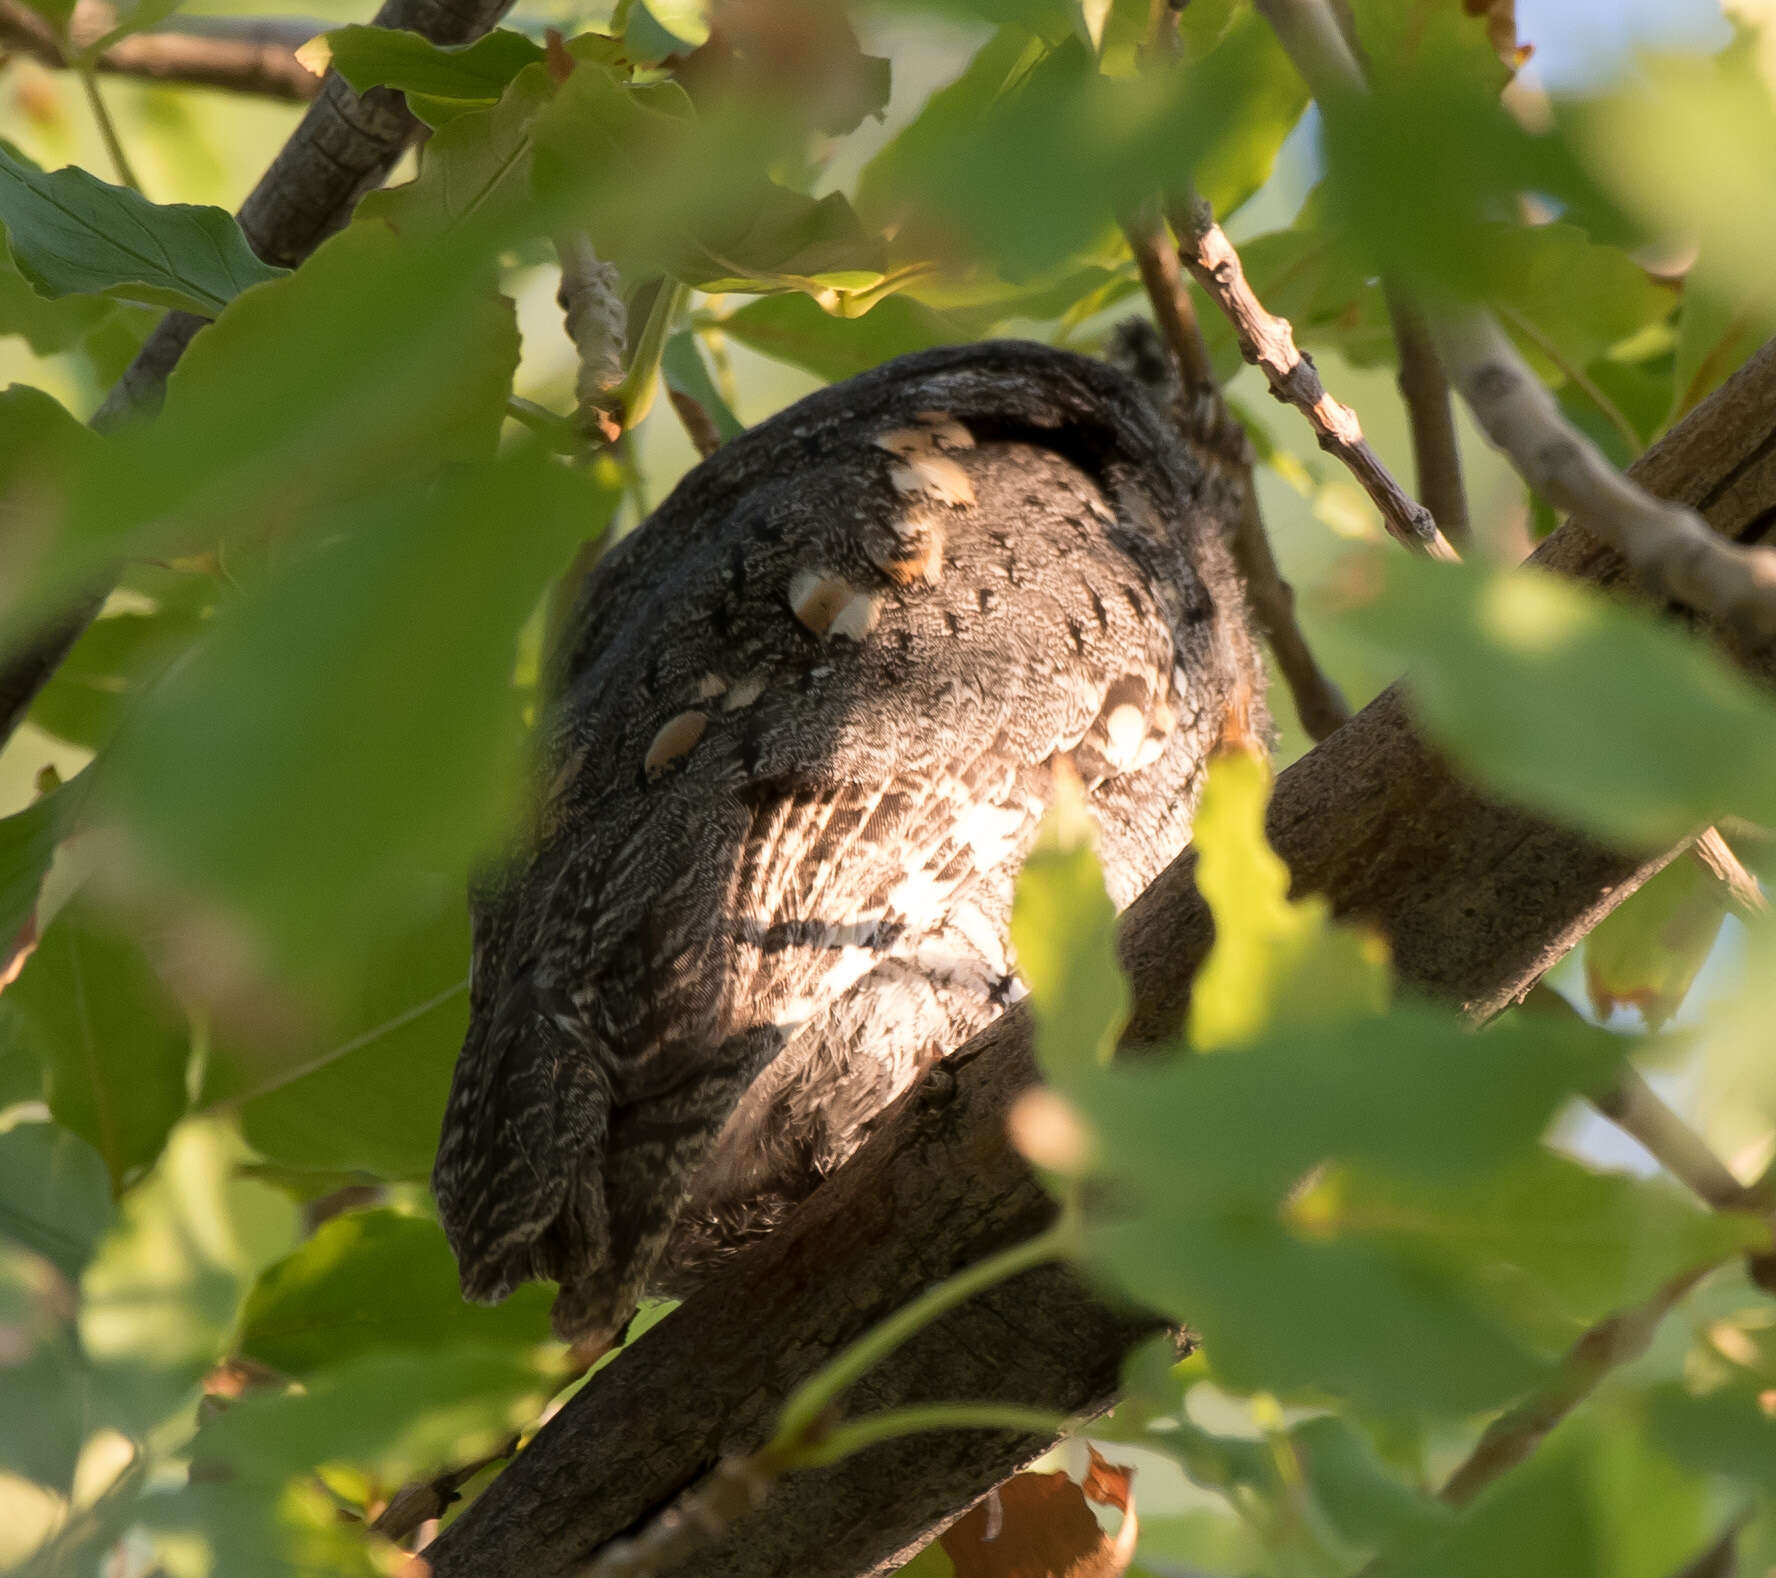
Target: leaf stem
(802,1413)
(89,83)
(890,1423)
(635,395)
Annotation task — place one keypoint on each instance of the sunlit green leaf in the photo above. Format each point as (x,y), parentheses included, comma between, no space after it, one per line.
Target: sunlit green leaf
(1647,952)
(28,840)
(1592,713)
(1063,926)
(793,329)
(71,233)
(441,82)
(1275,962)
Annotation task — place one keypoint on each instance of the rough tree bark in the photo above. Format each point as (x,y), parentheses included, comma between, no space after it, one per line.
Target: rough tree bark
(1479,901)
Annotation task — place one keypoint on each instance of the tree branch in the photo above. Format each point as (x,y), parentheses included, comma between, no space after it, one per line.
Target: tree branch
(257,58)
(1436,454)
(1319,704)
(1478,899)
(1268,342)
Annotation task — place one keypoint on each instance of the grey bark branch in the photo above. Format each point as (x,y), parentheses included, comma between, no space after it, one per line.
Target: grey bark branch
(258,58)
(1436,453)
(1478,899)
(344,145)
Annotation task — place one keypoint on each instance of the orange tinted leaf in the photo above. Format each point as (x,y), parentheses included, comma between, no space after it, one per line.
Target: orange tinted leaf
(1042,1526)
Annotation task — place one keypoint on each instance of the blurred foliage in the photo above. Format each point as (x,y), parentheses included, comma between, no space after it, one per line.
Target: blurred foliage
(229,1325)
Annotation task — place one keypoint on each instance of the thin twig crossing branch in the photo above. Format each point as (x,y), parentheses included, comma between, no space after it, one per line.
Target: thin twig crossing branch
(1319,704)
(1268,342)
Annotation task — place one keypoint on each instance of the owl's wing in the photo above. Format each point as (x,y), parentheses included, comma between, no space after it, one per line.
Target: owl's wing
(806,725)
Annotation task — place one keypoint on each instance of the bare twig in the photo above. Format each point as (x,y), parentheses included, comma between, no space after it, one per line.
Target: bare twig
(1318,702)
(257,56)
(1425,389)
(1268,342)
(1511,1437)
(1635,1109)
(698,423)
(1742,888)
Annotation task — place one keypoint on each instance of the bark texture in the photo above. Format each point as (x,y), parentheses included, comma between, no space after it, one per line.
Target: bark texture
(1478,899)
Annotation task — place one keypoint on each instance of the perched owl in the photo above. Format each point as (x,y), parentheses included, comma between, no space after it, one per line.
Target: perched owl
(803,725)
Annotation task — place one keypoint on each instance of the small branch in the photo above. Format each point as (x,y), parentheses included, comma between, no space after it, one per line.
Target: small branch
(1318,702)
(107,129)
(698,423)
(592,302)
(1634,1108)
(1424,387)
(1669,547)
(1575,375)
(1268,342)
(425,1499)
(255,55)
(1511,1437)
(1743,889)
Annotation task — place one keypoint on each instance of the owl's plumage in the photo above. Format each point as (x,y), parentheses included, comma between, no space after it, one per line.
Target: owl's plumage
(804,725)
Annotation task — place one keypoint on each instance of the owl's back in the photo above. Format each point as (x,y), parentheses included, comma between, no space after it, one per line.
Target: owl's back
(803,728)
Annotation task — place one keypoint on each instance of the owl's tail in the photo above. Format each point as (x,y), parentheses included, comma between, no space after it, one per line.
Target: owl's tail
(519,1186)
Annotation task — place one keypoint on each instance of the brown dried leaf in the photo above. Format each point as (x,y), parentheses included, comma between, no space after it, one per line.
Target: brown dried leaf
(1042,1526)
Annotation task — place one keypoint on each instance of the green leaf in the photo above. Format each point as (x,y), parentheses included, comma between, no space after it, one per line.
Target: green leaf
(1595,1501)
(1728,1431)
(476,168)
(368,1096)
(1647,952)
(1415,1093)
(443,82)
(314,745)
(372,1281)
(71,233)
(794,329)
(1275,962)
(55,1194)
(1063,927)
(160,1296)
(655,30)
(1545,693)
(1567,299)
(113,1043)
(28,840)
(1288,1314)
(395,1417)
(1543,1236)
(46,326)
(121,654)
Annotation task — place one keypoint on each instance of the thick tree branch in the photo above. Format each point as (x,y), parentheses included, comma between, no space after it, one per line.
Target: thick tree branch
(1478,899)
(258,57)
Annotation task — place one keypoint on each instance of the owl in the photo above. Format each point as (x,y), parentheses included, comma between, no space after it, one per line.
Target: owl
(801,729)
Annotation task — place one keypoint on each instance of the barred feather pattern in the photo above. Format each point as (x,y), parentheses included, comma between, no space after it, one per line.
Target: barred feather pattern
(803,726)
